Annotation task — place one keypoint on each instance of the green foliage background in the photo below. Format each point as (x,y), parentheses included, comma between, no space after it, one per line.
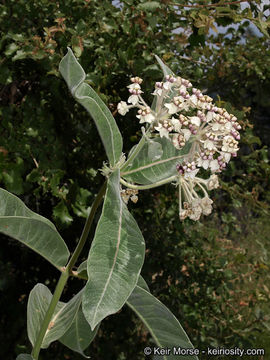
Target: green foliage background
(214,274)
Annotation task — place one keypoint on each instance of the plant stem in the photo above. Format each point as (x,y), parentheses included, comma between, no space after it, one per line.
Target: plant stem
(150,186)
(66,273)
(136,151)
(87,227)
(44,326)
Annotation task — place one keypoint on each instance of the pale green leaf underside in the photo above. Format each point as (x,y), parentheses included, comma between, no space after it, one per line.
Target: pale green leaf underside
(62,320)
(33,230)
(142,283)
(38,303)
(74,76)
(143,170)
(79,335)
(166,70)
(161,323)
(82,270)
(24,357)
(64,314)
(115,259)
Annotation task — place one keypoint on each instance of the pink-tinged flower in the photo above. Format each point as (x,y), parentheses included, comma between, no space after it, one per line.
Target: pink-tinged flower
(136,80)
(195,120)
(164,128)
(172,108)
(145,115)
(229,144)
(178,141)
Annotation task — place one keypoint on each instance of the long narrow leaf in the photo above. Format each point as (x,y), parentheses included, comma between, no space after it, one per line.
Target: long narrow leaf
(74,76)
(33,230)
(115,259)
(79,335)
(162,324)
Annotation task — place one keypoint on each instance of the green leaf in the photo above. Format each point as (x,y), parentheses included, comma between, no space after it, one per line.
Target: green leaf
(24,357)
(142,283)
(162,324)
(166,70)
(115,259)
(155,150)
(33,230)
(79,335)
(143,170)
(82,270)
(62,320)
(63,317)
(38,303)
(74,76)
(60,211)
(149,6)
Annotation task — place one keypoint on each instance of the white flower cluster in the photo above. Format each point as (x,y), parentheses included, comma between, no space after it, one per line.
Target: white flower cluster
(184,113)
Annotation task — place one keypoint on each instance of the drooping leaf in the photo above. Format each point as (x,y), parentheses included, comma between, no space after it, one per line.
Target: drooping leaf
(161,323)
(142,283)
(144,170)
(74,76)
(115,258)
(62,320)
(64,314)
(24,357)
(37,306)
(33,230)
(79,335)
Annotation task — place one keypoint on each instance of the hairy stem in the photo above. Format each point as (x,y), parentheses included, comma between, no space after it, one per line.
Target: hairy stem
(150,186)
(66,272)
(136,151)
(87,227)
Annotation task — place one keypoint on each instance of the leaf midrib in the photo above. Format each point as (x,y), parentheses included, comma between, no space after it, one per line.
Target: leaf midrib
(114,260)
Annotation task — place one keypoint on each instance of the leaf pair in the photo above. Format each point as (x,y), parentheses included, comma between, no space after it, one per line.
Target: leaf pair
(68,324)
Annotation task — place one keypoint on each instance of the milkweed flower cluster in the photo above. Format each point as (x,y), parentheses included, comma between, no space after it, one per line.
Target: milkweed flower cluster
(183,113)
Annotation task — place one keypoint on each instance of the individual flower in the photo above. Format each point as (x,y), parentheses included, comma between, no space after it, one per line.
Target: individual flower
(212,182)
(145,115)
(164,128)
(122,108)
(127,194)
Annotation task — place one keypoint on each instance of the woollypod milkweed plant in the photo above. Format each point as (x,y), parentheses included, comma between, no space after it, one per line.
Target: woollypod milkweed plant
(184,133)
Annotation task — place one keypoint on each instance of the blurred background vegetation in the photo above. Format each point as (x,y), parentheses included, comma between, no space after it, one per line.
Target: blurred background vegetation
(213,274)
